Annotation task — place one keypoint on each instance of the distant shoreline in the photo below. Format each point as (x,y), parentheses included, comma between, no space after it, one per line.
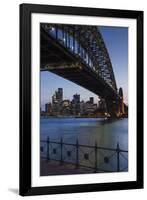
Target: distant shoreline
(79,117)
(70,116)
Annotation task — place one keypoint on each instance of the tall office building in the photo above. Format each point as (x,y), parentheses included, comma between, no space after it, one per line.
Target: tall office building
(57,99)
(76,98)
(76,104)
(58,96)
(91,100)
(48,108)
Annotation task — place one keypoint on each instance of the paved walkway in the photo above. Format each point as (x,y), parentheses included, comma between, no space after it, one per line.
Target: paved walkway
(54,168)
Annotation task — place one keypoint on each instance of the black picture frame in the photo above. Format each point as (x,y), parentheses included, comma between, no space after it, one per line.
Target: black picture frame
(25,187)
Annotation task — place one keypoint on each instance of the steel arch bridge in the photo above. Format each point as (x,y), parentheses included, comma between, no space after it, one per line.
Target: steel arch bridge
(79,54)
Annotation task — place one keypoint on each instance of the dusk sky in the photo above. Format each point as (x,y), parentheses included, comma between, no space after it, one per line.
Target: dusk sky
(116,41)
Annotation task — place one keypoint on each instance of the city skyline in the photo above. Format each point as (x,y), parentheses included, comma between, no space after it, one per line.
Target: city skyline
(116,40)
(73,107)
(81,99)
(96,98)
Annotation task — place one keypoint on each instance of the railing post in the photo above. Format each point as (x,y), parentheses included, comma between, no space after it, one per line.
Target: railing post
(118,151)
(61,148)
(56,32)
(95,149)
(66,40)
(77,154)
(74,43)
(69,41)
(48,149)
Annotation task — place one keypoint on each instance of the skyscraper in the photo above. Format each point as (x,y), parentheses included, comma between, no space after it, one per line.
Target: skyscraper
(76,98)
(57,99)
(91,99)
(48,108)
(58,96)
(76,104)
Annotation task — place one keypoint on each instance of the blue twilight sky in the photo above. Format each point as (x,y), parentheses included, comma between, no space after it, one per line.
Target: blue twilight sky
(116,41)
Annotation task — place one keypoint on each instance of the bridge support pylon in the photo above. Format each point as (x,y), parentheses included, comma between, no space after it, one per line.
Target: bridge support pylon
(115,107)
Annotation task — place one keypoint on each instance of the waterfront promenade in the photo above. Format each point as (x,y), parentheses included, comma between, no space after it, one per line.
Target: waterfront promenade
(53,168)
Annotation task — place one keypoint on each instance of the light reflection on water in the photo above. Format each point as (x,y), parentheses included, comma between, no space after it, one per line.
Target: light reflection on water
(87,131)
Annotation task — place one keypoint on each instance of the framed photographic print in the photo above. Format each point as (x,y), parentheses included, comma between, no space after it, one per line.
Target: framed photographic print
(81,99)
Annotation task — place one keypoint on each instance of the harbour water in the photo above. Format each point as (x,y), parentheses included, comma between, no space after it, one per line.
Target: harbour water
(86,130)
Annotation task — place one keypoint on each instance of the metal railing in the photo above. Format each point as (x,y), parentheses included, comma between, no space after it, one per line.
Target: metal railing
(95,158)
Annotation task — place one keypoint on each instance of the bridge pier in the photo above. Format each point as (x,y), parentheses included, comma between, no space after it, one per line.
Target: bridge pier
(112,108)
(115,107)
